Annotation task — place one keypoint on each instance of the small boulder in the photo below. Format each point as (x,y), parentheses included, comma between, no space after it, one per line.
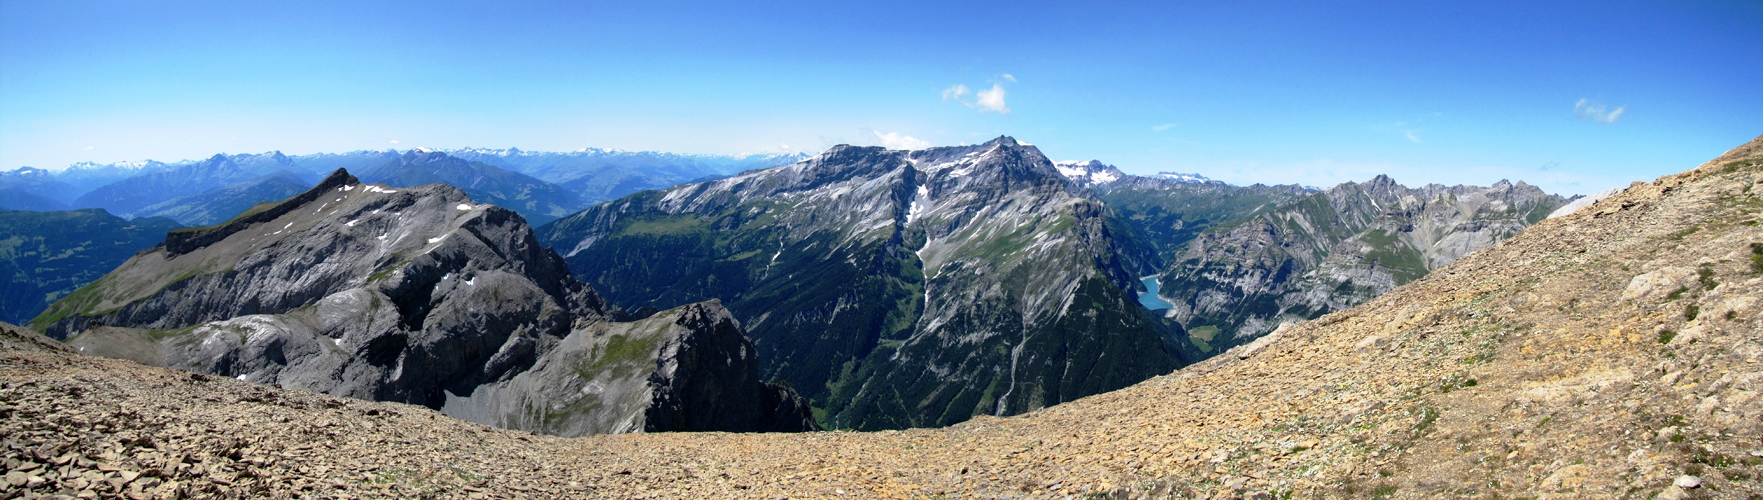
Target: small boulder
(1658,284)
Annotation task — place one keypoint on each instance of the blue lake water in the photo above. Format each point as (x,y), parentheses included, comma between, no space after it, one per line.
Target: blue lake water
(1150,299)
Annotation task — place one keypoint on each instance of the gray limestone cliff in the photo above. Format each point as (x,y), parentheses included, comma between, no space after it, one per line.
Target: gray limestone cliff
(416,295)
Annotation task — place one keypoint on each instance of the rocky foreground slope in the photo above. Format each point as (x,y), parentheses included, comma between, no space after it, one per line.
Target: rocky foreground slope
(1610,353)
(420,296)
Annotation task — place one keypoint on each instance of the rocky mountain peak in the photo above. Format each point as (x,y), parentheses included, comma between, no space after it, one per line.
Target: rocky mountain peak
(1381,187)
(1001,163)
(27,172)
(418,295)
(1333,249)
(862,269)
(181,242)
(1088,174)
(341,234)
(424,156)
(1183,177)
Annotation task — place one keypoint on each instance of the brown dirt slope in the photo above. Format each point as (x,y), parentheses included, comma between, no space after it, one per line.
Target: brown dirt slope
(1609,353)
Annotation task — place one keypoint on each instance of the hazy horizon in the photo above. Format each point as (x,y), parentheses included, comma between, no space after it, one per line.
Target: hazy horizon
(1572,97)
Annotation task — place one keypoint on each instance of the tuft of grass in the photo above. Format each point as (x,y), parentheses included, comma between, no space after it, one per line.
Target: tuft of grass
(1680,234)
(1665,336)
(1757,258)
(1677,294)
(1691,311)
(1705,275)
(1454,382)
(1428,416)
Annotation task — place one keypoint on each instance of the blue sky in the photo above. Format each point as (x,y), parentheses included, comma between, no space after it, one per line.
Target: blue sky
(1575,97)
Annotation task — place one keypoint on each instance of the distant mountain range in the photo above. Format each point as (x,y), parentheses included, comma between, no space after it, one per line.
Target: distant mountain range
(892,288)
(596,174)
(539,185)
(217,205)
(46,255)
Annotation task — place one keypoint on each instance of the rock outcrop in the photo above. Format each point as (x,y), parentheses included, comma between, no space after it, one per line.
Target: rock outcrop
(413,295)
(1334,249)
(686,369)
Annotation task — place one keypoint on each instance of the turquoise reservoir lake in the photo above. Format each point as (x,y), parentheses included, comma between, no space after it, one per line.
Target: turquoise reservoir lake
(1149,299)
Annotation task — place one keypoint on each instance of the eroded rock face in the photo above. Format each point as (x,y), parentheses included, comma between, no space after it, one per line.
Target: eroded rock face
(690,368)
(411,295)
(1335,249)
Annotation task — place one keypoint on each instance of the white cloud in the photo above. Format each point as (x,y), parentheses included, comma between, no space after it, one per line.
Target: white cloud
(394,141)
(896,140)
(1411,136)
(992,99)
(89,148)
(955,92)
(985,100)
(1587,109)
(1163,127)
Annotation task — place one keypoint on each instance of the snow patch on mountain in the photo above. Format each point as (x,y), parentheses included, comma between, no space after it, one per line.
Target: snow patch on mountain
(1181,177)
(1088,173)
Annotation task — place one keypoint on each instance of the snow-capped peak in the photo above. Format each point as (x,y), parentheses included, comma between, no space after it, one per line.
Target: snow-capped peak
(1088,173)
(1181,177)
